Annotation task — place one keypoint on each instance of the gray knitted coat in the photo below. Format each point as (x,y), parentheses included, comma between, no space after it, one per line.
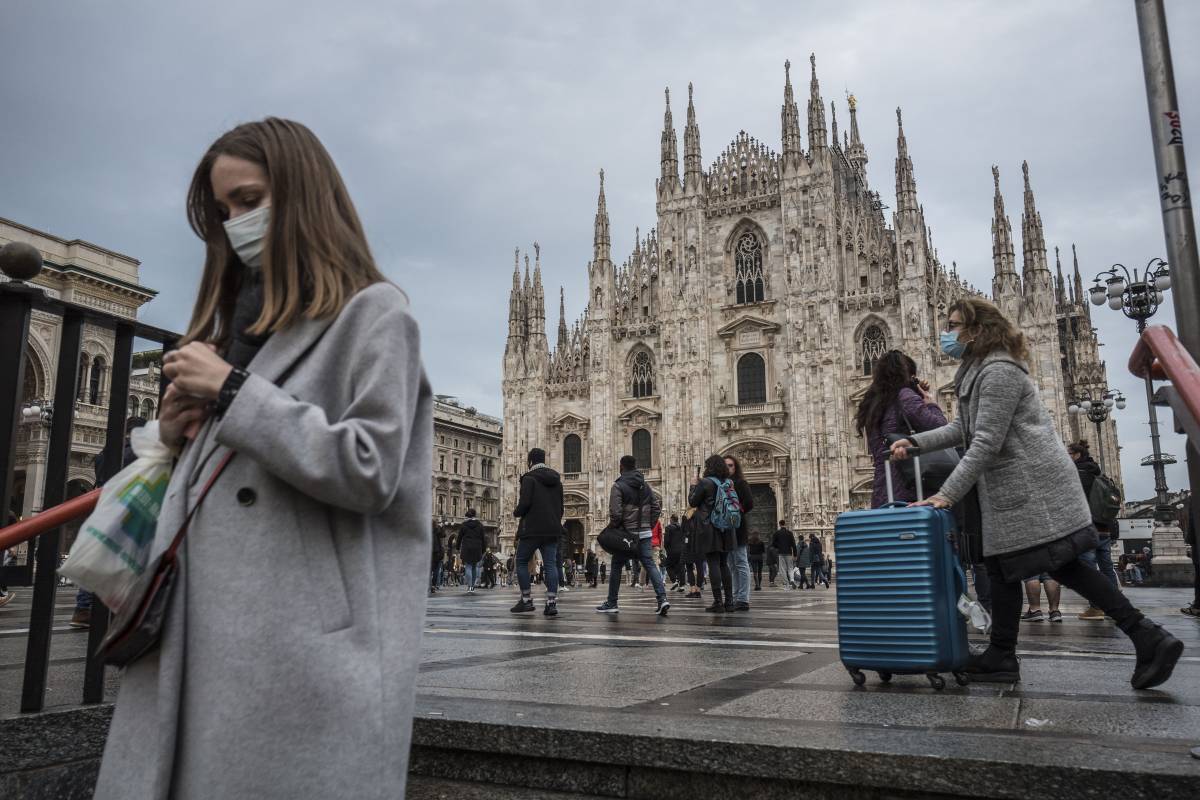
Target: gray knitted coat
(1029,491)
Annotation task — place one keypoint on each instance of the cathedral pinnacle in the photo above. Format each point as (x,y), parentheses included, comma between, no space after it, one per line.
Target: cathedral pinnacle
(1033,240)
(1002,245)
(816,109)
(601,243)
(1060,285)
(692,178)
(562,320)
(855,150)
(833,121)
(670,155)
(790,117)
(906,184)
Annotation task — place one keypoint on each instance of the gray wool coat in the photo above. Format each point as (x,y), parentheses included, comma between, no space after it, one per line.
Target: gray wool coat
(1029,490)
(289,658)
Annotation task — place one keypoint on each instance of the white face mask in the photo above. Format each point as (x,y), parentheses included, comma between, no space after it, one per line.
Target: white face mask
(247,234)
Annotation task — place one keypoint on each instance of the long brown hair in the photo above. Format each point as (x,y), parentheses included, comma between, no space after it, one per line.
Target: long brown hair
(988,329)
(315,256)
(737,469)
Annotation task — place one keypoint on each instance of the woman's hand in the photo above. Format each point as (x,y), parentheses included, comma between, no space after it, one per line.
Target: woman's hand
(197,370)
(177,413)
(937,501)
(900,449)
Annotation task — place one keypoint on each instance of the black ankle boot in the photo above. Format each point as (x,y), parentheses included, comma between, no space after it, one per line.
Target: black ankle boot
(1157,653)
(994,665)
(717,607)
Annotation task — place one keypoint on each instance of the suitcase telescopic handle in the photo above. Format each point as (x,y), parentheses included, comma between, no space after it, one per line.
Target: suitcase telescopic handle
(915,453)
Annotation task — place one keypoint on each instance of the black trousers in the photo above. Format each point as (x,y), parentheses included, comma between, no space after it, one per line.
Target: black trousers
(1078,576)
(719,577)
(1196,566)
(756,568)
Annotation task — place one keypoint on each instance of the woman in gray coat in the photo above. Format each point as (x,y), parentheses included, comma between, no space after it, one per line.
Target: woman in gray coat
(290,650)
(1035,518)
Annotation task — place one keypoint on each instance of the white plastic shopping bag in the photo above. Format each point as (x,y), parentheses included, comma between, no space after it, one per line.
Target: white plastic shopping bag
(112,550)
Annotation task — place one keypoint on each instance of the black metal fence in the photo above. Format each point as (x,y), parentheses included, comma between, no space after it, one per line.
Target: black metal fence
(18,300)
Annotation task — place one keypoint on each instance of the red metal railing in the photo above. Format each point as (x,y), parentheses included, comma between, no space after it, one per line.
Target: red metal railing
(1165,356)
(48,520)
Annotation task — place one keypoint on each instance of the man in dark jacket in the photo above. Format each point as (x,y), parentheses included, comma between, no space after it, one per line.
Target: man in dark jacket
(540,509)
(818,561)
(471,543)
(632,505)
(673,544)
(784,543)
(1101,557)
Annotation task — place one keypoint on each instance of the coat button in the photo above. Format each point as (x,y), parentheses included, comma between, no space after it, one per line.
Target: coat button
(246,496)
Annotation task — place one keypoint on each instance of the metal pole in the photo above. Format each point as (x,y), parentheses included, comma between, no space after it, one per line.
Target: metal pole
(1160,473)
(1100,442)
(1179,227)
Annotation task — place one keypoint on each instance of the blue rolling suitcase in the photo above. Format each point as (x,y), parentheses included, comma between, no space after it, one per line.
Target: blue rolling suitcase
(898,584)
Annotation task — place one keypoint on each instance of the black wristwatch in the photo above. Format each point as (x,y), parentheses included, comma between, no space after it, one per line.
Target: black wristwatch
(229,389)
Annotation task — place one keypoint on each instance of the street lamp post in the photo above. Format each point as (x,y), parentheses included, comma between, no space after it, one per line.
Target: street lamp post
(1138,297)
(1097,410)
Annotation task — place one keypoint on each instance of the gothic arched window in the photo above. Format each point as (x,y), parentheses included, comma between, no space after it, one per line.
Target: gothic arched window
(748,269)
(643,375)
(147,409)
(572,454)
(132,406)
(641,448)
(752,379)
(874,345)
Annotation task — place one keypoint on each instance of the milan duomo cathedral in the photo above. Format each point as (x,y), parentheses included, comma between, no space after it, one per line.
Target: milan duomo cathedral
(748,320)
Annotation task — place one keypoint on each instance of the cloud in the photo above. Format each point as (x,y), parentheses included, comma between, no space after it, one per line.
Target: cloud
(463,129)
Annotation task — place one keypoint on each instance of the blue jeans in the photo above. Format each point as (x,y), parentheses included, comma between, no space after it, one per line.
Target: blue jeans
(471,573)
(525,551)
(1101,559)
(646,557)
(739,567)
(435,574)
(83,600)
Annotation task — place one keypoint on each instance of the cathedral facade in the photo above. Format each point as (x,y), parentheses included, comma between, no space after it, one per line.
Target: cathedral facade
(747,322)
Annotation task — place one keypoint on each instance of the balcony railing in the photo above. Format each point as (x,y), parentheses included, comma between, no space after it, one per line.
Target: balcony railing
(38,569)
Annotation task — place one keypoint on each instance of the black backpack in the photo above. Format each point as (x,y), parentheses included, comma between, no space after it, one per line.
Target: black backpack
(1104,500)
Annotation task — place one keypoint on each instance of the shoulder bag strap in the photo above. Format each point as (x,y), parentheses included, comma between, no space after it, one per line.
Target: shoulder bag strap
(224,462)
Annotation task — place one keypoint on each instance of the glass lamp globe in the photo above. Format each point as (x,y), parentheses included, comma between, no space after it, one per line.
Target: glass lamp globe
(1086,405)
(1098,294)
(1109,402)
(1116,286)
(1158,296)
(1115,303)
(1073,409)
(1120,403)
(1162,280)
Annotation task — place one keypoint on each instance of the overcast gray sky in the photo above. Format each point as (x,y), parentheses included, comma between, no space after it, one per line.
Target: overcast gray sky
(465,129)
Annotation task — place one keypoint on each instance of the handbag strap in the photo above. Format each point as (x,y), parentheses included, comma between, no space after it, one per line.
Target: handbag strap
(178,540)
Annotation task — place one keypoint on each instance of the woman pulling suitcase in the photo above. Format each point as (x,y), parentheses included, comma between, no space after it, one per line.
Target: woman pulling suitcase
(1034,513)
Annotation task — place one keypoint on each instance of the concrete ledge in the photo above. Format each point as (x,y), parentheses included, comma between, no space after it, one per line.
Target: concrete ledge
(469,747)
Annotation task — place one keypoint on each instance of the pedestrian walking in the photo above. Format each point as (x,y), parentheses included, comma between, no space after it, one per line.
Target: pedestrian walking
(1188,526)
(540,509)
(435,565)
(1105,521)
(897,401)
(590,567)
(784,545)
(804,563)
(756,552)
(716,533)
(1035,515)
(471,542)
(633,506)
(817,554)
(739,558)
(673,544)
(298,394)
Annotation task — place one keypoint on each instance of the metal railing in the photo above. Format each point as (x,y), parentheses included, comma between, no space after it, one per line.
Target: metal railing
(18,300)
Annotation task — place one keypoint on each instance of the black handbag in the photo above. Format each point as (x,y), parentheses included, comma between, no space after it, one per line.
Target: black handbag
(138,630)
(618,541)
(936,466)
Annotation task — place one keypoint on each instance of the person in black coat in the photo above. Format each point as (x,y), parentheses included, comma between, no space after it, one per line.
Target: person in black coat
(756,551)
(673,545)
(784,543)
(1101,557)
(435,563)
(589,568)
(540,509)
(714,542)
(471,543)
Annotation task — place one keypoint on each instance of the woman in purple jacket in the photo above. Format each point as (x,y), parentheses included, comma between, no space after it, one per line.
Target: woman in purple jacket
(896,402)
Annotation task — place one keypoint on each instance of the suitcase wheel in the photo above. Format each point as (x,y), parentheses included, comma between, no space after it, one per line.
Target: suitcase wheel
(858,677)
(886,677)
(936,681)
(961,678)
